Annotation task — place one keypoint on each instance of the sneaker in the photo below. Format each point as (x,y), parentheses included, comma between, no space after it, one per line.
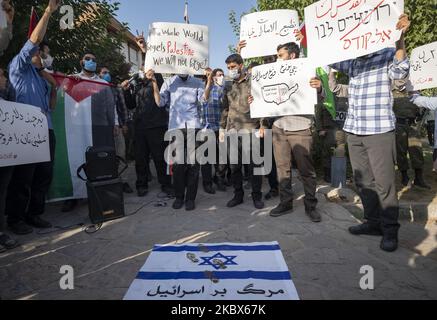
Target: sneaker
(37,222)
(178,204)
(69,205)
(127,188)
(282,209)
(190,205)
(314,215)
(273,193)
(235,202)
(20,228)
(7,242)
(365,229)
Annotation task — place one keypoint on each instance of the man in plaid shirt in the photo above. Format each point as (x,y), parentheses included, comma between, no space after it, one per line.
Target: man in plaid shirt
(212,115)
(370,125)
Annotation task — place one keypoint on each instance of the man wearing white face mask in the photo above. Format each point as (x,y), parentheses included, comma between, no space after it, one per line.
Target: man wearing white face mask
(46,58)
(212,114)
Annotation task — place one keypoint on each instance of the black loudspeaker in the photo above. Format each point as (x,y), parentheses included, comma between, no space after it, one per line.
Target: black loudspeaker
(101,164)
(105,200)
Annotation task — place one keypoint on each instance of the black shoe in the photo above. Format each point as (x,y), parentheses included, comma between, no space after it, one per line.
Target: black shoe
(221,186)
(273,193)
(20,228)
(282,209)
(365,229)
(235,202)
(258,204)
(389,243)
(168,190)
(142,192)
(127,188)
(208,188)
(69,205)
(190,205)
(178,203)
(405,178)
(314,215)
(37,222)
(7,242)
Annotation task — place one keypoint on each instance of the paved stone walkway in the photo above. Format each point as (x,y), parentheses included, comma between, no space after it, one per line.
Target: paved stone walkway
(324,259)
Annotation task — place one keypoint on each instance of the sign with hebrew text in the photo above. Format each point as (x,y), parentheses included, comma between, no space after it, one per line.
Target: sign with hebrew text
(339,30)
(423,71)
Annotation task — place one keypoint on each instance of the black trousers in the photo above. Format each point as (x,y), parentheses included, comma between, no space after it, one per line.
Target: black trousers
(186,176)
(29,186)
(220,170)
(5,178)
(150,142)
(273,175)
(237,171)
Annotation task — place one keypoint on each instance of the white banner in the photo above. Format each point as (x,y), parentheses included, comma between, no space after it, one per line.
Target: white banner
(339,30)
(283,88)
(265,30)
(24,134)
(223,271)
(177,48)
(423,71)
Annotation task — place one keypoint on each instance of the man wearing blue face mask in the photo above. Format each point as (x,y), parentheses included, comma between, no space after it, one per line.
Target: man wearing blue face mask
(103,111)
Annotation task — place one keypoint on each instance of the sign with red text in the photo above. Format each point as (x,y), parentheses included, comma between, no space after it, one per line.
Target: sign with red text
(339,30)
(264,31)
(178,48)
(423,71)
(282,89)
(24,134)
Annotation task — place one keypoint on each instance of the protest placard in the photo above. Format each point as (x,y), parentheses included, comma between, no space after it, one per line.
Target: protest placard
(177,48)
(283,88)
(339,30)
(264,31)
(423,72)
(24,134)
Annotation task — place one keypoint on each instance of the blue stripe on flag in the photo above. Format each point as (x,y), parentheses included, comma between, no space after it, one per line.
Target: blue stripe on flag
(221,275)
(216,248)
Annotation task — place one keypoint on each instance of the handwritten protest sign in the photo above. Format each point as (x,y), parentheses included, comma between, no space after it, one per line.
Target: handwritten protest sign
(283,88)
(423,71)
(339,30)
(214,271)
(24,136)
(264,31)
(177,48)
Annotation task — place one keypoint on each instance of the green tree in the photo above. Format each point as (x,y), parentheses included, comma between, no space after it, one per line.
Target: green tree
(68,46)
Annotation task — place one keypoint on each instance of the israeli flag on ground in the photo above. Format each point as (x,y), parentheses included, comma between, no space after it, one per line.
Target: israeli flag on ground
(222,271)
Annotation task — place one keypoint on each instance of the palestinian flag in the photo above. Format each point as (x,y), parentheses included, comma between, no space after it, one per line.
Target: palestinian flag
(77,121)
(33,22)
(304,44)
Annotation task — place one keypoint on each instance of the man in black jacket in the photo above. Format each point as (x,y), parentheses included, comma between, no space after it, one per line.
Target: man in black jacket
(150,126)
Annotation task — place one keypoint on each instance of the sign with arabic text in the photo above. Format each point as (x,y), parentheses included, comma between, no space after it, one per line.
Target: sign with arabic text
(24,134)
(265,30)
(339,30)
(283,88)
(222,271)
(423,71)
(177,48)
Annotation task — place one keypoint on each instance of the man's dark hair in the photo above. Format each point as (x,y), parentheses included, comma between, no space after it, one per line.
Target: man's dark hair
(291,47)
(234,58)
(88,52)
(43,44)
(215,71)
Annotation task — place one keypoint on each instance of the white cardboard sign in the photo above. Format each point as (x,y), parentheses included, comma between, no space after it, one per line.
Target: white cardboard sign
(423,71)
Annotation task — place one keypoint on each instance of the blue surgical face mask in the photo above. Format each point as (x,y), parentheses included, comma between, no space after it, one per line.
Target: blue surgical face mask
(90,66)
(107,77)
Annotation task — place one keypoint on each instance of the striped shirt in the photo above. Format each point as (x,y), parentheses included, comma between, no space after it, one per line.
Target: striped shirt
(370,91)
